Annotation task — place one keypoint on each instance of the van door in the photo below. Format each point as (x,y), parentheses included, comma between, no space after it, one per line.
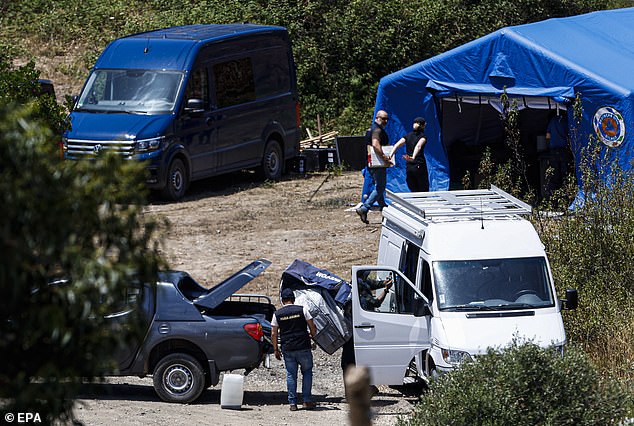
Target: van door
(390,248)
(242,118)
(387,335)
(197,127)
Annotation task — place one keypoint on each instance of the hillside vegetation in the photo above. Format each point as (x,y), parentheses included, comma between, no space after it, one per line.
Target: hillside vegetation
(342,47)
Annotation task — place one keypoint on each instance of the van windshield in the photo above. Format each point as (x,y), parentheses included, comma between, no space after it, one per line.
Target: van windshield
(130,91)
(493,284)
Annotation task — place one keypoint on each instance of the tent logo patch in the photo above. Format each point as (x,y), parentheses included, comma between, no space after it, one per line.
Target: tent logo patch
(609,126)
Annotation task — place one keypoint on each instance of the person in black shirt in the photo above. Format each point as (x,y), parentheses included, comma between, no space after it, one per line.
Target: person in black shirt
(376,139)
(414,141)
(293,324)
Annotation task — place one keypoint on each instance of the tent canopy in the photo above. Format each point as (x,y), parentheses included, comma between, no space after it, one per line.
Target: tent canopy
(542,65)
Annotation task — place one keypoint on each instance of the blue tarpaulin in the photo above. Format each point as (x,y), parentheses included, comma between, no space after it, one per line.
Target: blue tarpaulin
(543,65)
(301,275)
(324,294)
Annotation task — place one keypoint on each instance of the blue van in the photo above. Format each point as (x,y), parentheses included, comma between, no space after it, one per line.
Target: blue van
(193,102)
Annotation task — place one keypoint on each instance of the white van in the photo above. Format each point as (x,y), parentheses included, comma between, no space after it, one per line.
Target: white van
(464,272)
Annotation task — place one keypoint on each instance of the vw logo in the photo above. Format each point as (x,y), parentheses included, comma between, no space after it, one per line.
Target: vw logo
(97,149)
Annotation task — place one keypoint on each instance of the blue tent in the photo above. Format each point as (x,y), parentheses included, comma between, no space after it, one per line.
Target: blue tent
(543,66)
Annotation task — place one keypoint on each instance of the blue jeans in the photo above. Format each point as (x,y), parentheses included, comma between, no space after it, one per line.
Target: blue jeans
(303,359)
(379,178)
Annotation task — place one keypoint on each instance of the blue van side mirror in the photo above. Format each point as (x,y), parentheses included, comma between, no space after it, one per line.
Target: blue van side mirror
(196,106)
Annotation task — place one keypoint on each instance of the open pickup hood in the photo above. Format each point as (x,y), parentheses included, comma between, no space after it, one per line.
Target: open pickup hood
(217,294)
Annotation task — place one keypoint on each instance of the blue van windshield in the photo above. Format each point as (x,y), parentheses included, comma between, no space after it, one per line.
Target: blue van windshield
(130,91)
(493,284)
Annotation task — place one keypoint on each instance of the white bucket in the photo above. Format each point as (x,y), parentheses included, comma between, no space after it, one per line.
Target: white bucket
(232,391)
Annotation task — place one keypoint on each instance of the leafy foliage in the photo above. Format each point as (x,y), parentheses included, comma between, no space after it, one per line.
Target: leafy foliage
(591,250)
(21,85)
(523,385)
(79,221)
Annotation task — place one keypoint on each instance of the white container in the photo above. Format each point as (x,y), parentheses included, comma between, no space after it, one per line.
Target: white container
(232,391)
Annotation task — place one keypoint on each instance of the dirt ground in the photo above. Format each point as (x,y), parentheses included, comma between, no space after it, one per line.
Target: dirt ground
(222,225)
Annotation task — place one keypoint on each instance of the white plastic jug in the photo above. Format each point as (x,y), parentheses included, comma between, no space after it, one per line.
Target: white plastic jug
(232,391)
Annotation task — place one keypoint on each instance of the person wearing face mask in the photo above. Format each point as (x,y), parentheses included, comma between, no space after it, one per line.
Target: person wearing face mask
(416,168)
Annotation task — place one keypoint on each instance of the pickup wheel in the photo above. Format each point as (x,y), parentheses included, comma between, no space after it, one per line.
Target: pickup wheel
(179,378)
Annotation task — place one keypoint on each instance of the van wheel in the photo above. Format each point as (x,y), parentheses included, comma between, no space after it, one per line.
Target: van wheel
(179,378)
(272,161)
(177,181)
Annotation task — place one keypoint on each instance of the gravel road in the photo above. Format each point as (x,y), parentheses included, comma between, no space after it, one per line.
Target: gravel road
(222,225)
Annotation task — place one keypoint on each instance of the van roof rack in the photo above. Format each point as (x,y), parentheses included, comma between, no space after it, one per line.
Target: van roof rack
(462,203)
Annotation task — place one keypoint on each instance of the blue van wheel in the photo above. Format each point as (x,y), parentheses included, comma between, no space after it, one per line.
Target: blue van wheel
(272,161)
(177,181)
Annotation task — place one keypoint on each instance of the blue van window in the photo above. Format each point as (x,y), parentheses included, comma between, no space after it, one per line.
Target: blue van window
(272,73)
(198,86)
(234,82)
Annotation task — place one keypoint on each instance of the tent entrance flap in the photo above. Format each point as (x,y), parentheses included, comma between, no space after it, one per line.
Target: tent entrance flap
(472,125)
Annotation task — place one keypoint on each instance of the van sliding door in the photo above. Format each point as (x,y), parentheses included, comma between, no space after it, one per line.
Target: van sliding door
(240,126)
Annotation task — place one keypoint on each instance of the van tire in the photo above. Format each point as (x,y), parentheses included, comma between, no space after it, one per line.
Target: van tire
(177,181)
(179,378)
(272,161)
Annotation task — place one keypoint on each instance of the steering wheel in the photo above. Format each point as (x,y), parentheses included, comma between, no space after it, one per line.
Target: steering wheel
(521,293)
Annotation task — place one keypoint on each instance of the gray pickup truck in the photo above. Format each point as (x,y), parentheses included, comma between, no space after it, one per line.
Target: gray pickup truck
(194,333)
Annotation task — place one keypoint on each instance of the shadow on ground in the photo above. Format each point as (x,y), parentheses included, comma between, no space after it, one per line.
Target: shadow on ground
(137,392)
(227,184)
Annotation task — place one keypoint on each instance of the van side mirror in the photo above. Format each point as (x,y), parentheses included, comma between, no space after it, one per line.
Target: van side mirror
(572,299)
(421,308)
(195,106)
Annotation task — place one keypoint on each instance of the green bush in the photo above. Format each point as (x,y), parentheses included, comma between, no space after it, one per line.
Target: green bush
(81,221)
(522,385)
(20,85)
(591,249)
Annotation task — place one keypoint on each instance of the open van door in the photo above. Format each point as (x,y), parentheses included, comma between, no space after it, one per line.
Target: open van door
(389,328)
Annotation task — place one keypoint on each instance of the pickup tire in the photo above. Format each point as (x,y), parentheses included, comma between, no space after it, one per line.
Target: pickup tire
(179,378)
